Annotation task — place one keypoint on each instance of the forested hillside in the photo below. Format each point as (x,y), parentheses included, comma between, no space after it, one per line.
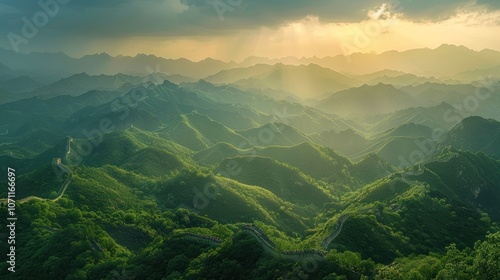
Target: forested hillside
(258,169)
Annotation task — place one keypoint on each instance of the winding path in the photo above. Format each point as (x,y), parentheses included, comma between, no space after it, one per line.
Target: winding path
(57,163)
(338,228)
(64,169)
(421,168)
(61,191)
(264,240)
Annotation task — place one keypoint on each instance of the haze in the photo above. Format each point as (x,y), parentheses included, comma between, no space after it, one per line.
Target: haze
(235,30)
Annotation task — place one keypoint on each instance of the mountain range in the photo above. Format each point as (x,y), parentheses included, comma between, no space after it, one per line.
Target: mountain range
(455,60)
(252,170)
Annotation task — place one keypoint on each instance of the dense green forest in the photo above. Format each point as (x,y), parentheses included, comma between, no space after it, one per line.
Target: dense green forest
(235,177)
(94,233)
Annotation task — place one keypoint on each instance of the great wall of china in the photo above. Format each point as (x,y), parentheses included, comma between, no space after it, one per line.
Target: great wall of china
(267,244)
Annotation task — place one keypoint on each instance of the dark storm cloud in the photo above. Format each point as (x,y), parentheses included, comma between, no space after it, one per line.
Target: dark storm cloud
(494,4)
(172,18)
(116,19)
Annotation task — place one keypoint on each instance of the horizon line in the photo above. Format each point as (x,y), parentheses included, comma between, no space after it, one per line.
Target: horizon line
(248,57)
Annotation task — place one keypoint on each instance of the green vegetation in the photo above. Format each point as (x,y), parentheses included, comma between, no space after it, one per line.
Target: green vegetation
(476,134)
(204,181)
(283,181)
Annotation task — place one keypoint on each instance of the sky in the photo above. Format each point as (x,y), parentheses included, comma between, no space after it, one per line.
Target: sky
(237,29)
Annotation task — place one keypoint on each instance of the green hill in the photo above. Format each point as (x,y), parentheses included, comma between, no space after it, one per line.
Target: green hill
(285,182)
(43,182)
(183,133)
(440,117)
(318,162)
(57,151)
(470,178)
(402,80)
(229,201)
(476,134)
(119,147)
(153,162)
(114,149)
(405,213)
(311,121)
(407,130)
(20,84)
(274,134)
(402,151)
(347,142)
(217,153)
(371,168)
(305,81)
(34,144)
(243,179)
(80,83)
(377,99)
(198,132)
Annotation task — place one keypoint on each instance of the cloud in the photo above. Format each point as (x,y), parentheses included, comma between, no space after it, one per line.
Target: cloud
(198,17)
(269,13)
(492,4)
(89,20)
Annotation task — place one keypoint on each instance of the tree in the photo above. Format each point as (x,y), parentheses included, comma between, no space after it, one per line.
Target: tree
(487,258)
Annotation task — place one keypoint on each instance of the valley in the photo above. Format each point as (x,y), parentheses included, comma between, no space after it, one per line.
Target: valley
(268,170)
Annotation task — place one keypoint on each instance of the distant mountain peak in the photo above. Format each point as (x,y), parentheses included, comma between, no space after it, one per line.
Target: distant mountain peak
(203,84)
(209,59)
(476,134)
(169,84)
(475,120)
(475,127)
(97,55)
(143,55)
(379,86)
(83,74)
(451,46)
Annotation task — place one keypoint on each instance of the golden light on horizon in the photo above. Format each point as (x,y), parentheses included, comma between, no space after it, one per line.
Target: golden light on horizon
(308,37)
